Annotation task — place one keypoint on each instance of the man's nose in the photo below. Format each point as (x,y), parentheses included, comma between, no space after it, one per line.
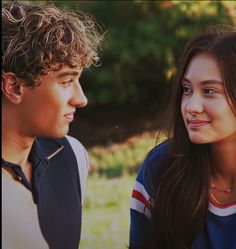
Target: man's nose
(79,99)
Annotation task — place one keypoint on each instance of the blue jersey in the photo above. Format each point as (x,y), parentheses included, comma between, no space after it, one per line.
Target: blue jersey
(219,231)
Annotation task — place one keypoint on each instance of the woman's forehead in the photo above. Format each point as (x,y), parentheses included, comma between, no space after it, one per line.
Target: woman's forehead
(203,67)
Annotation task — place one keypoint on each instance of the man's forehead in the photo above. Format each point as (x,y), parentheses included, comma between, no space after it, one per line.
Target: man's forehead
(66,70)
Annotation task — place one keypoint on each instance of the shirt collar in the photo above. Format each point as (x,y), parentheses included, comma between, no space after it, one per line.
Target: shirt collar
(41,152)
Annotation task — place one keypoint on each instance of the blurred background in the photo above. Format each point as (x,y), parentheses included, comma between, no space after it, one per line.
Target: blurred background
(127,95)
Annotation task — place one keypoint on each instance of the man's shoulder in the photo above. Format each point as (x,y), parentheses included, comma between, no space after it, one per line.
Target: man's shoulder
(74,142)
(47,143)
(67,146)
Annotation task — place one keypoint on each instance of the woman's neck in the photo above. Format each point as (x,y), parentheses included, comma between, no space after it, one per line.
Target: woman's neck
(224,159)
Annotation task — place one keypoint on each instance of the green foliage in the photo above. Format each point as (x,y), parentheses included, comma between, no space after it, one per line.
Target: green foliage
(111,171)
(121,159)
(142,46)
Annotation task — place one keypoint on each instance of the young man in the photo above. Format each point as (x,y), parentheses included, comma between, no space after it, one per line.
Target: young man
(44,171)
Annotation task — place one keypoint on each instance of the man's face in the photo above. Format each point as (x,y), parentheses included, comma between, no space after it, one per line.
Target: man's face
(48,109)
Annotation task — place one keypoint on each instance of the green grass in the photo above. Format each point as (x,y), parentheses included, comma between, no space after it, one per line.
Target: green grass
(106,220)
(105,223)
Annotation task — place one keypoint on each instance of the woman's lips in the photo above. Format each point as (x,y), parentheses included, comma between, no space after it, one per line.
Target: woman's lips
(197,123)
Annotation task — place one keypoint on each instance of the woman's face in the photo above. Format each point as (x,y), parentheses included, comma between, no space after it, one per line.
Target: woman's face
(206,112)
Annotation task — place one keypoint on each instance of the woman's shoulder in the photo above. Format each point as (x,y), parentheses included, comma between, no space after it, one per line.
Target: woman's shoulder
(146,181)
(147,175)
(158,152)
(155,156)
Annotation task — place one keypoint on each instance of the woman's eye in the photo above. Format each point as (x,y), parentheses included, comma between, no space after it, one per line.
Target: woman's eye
(209,91)
(187,90)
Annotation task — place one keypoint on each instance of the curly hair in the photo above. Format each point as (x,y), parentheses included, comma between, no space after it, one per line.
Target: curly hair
(36,39)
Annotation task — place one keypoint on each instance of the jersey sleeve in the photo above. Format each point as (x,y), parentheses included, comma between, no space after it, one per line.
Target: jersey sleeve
(82,162)
(142,199)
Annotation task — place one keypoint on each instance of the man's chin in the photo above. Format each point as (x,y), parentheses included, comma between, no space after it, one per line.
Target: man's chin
(59,133)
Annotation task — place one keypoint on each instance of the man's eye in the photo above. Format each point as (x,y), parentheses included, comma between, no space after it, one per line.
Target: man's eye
(209,91)
(67,82)
(187,90)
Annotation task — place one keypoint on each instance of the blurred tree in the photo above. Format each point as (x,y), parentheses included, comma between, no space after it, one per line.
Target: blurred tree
(143,44)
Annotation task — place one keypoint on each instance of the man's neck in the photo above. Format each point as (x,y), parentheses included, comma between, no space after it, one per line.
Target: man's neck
(16,149)
(16,145)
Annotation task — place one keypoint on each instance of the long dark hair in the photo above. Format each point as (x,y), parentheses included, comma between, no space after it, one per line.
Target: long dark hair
(181,200)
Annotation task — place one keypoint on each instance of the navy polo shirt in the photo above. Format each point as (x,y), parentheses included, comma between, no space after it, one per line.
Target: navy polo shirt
(59,171)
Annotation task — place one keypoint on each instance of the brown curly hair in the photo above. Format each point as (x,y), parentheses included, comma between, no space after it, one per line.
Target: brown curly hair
(36,39)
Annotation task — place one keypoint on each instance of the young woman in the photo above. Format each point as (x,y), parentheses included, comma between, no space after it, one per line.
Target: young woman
(185,192)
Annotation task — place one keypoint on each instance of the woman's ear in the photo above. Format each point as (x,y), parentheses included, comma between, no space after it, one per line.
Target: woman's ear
(12,88)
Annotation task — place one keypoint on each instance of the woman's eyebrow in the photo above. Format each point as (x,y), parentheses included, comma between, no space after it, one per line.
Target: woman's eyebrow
(210,81)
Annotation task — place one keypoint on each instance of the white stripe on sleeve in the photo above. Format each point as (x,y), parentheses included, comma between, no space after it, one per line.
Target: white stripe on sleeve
(140,188)
(140,207)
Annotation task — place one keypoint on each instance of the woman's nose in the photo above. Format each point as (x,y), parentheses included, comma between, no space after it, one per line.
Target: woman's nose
(194,104)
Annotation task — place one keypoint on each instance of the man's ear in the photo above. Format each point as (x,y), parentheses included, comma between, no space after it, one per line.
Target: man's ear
(12,87)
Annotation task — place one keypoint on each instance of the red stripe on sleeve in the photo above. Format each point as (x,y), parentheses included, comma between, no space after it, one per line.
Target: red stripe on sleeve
(139,196)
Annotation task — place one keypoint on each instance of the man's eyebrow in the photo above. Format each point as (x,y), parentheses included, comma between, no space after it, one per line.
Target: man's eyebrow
(68,73)
(211,81)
